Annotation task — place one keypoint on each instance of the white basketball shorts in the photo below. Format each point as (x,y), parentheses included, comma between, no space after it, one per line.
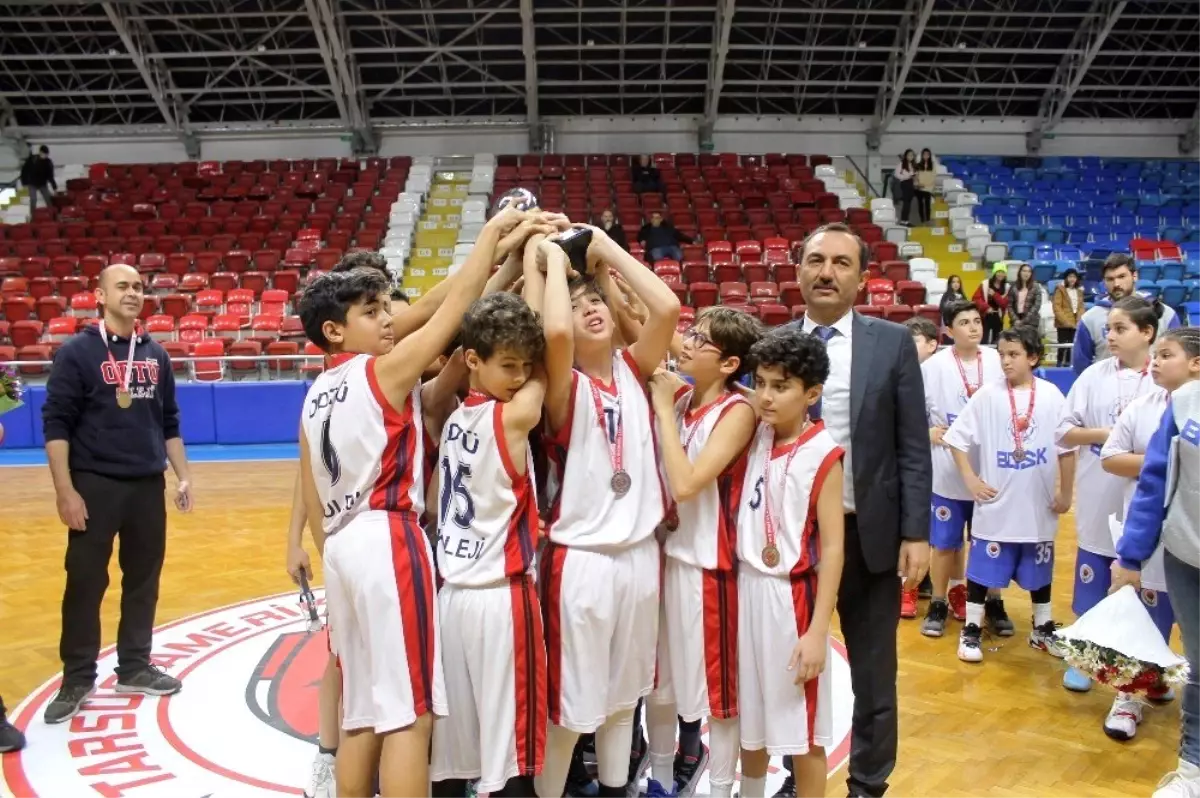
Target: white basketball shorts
(383,624)
(494,655)
(697,642)
(601,629)
(776,713)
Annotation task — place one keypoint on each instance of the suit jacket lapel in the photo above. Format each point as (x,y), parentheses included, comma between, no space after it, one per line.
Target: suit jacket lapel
(862,358)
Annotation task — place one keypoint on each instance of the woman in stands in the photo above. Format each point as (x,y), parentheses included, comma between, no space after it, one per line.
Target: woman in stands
(1068,309)
(1025,299)
(925,179)
(609,224)
(903,175)
(992,300)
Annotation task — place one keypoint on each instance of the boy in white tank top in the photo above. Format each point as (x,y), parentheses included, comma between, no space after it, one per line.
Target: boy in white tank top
(703,429)
(790,546)
(361,450)
(600,569)
(493,649)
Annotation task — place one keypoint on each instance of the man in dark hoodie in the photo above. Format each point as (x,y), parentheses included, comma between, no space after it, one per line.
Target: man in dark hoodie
(111,424)
(37,173)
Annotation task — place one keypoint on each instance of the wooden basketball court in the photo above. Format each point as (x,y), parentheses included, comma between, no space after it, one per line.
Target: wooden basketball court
(1005,728)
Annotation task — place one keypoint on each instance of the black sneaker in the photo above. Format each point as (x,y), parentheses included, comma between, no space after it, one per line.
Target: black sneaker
(788,789)
(688,770)
(68,702)
(11,738)
(935,619)
(150,681)
(925,589)
(996,618)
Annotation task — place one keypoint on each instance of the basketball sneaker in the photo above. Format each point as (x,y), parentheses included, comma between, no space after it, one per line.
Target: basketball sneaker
(1160,694)
(11,738)
(787,789)
(1123,718)
(1183,782)
(322,783)
(149,680)
(908,603)
(969,644)
(996,618)
(68,702)
(956,597)
(935,619)
(1043,637)
(688,770)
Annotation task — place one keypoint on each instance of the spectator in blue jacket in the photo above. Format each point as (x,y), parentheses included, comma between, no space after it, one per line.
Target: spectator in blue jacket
(1091,338)
(1166,506)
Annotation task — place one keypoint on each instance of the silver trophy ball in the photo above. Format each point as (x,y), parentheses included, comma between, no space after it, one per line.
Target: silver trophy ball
(520,198)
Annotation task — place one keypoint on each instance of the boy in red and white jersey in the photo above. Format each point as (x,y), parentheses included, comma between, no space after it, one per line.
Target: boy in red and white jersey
(601,566)
(703,429)
(361,451)
(790,539)
(493,650)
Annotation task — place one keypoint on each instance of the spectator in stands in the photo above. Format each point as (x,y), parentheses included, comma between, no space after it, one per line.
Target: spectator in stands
(1091,337)
(903,177)
(926,175)
(1025,299)
(646,178)
(1068,310)
(661,239)
(37,173)
(610,225)
(992,300)
(111,424)
(954,293)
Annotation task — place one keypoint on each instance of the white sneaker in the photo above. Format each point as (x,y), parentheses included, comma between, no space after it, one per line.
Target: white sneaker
(1124,717)
(969,640)
(1183,782)
(323,781)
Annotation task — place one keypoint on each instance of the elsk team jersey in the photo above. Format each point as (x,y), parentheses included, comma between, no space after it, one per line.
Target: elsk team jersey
(945,398)
(366,454)
(704,537)
(1021,511)
(1097,399)
(587,512)
(1131,435)
(487,512)
(792,484)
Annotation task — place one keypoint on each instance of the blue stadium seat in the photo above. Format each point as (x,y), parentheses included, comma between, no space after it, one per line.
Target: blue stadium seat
(1173,292)
(1148,287)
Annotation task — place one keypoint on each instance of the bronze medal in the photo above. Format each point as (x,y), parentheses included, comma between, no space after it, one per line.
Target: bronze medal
(124,399)
(770,555)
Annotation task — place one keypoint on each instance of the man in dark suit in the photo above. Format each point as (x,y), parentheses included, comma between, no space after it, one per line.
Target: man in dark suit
(874,406)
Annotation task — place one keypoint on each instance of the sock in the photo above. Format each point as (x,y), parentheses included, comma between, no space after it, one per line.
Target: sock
(724,747)
(330,751)
(956,582)
(612,752)
(660,722)
(754,788)
(1041,614)
(560,743)
(720,790)
(689,738)
(975,614)
(517,787)
(449,788)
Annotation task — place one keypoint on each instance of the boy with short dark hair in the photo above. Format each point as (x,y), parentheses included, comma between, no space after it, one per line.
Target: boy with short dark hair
(925,336)
(1010,428)
(790,539)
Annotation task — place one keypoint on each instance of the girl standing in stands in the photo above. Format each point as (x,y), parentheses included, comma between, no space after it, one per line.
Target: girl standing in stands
(1068,309)
(903,175)
(1025,299)
(992,300)
(925,178)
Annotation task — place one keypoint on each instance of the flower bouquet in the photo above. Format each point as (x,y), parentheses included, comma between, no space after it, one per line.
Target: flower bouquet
(10,390)
(1117,643)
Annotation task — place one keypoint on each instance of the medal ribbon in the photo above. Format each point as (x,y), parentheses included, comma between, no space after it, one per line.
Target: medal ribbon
(123,386)
(1018,437)
(614,449)
(769,521)
(673,510)
(1121,403)
(962,372)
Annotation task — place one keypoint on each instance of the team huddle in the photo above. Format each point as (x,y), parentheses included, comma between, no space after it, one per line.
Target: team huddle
(677,528)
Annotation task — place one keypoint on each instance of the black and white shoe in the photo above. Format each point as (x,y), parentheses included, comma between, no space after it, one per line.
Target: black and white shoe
(68,702)
(149,680)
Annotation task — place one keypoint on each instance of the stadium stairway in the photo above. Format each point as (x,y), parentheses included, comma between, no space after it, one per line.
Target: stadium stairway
(437,232)
(950,254)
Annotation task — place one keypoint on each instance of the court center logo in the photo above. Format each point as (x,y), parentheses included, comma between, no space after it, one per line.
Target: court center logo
(244,724)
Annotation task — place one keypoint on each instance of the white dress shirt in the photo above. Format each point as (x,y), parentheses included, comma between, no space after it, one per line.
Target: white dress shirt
(835,400)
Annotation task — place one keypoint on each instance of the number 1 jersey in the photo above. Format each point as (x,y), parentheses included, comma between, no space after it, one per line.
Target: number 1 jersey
(487,512)
(365,454)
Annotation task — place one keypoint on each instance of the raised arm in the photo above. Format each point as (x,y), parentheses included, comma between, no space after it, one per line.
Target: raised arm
(560,336)
(662,306)
(520,415)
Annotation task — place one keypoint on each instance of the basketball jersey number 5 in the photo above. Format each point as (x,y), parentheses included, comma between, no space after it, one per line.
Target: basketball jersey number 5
(454,487)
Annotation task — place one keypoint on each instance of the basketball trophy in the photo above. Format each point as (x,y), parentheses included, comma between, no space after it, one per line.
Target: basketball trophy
(575,243)
(520,198)
(309,602)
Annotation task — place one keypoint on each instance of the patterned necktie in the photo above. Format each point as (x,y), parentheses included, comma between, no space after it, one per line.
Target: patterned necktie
(824,333)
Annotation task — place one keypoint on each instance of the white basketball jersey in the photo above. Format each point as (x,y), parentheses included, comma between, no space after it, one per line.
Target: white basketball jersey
(791,483)
(704,537)
(365,454)
(587,512)
(946,394)
(487,512)
(1025,485)
(1131,435)
(1097,399)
